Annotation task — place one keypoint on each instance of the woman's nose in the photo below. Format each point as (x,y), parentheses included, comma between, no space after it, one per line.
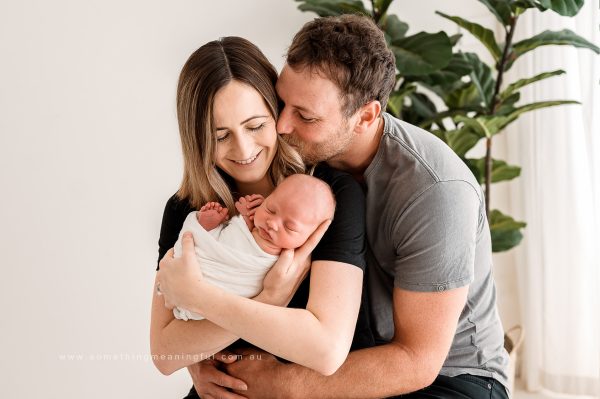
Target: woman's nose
(243,147)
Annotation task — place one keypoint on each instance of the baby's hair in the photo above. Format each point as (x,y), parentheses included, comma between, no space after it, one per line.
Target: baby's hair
(323,188)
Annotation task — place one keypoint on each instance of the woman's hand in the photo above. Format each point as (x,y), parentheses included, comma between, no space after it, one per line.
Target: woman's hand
(284,278)
(178,278)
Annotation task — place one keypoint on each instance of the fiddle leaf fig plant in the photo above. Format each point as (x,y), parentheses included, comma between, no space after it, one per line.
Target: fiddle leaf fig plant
(477,102)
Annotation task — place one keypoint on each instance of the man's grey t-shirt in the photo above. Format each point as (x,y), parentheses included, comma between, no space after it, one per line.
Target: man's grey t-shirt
(427,231)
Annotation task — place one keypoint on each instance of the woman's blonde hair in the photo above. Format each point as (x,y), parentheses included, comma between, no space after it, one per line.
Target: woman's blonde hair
(209,69)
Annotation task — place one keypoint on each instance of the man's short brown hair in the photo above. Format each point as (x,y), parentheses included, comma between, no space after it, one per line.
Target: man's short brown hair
(351,51)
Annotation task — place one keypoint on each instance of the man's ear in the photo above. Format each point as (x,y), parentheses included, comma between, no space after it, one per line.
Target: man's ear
(368,115)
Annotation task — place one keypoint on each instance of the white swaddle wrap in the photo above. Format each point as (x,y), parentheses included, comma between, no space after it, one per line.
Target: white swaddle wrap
(229,258)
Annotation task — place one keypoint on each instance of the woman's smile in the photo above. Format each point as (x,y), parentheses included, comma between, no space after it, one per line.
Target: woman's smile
(249,161)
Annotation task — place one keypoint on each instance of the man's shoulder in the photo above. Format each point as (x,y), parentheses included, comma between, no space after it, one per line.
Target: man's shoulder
(407,148)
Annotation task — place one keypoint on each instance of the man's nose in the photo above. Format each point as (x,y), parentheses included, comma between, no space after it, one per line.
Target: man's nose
(284,122)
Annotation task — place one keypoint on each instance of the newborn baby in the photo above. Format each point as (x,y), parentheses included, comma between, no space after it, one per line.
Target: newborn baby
(236,255)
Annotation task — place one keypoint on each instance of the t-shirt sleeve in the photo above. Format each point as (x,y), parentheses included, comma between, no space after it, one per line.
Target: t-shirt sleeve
(173,217)
(345,239)
(435,238)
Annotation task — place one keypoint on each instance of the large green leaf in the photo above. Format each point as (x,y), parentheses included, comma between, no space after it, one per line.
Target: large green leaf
(519,6)
(396,101)
(524,82)
(422,53)
(495,124)
(450,113)
(540,105)
(500,8)
(393,28)
(476,125)
(481,76)
(422,105)
(501,171)
(421,108)
(328,8)
(465,95)
(455,38)
(505,231)
(448,78)
(506,105)
(563,37)
(484,35)
(461,140)
(567,8)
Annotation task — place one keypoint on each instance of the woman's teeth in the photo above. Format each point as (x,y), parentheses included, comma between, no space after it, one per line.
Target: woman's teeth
(247,161)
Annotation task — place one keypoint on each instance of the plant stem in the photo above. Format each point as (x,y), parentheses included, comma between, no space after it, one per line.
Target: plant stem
(376,15)
(501,66)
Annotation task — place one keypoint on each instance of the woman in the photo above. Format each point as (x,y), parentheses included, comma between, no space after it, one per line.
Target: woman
(227,109)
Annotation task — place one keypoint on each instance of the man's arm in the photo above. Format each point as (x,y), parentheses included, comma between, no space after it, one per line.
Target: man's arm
(425,324)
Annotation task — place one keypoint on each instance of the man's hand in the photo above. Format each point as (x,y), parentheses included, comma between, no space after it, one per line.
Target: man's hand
(284,278)
(213,383)
(262,371)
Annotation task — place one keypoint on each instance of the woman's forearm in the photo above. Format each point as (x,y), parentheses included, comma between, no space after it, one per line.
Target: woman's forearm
(183,343)
(318,337)
(175,344)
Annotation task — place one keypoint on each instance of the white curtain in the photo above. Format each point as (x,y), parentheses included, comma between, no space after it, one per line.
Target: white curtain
(558,196)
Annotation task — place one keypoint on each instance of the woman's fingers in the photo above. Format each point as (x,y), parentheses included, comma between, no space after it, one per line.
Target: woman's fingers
(305,250)
(187,244)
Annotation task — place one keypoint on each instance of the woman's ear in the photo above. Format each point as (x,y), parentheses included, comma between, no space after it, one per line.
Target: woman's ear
(368,117)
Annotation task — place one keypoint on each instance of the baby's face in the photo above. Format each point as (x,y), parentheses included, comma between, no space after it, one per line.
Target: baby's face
(286,218)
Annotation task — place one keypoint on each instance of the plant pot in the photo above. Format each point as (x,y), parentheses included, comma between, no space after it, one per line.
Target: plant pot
(513,338)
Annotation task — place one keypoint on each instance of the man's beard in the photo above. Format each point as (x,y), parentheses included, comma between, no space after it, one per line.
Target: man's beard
(313,153)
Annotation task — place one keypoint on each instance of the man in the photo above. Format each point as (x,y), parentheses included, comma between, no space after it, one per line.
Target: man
(429,280)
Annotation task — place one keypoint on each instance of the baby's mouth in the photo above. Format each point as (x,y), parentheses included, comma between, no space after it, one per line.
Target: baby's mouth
(263,234)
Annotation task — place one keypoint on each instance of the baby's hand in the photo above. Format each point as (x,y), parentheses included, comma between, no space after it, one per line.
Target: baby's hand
(212,215)
(247,205)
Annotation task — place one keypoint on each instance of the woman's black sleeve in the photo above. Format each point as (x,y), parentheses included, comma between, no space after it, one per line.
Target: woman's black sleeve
(173,217)
(345,239)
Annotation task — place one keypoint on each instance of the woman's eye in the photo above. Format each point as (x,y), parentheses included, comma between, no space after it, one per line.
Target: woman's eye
(256,128)
(222,138)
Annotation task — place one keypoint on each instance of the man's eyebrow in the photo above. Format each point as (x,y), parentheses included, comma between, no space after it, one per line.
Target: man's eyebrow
(301,108)
(245,121)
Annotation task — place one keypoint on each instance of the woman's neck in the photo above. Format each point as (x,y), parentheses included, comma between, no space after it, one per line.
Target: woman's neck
(263,187)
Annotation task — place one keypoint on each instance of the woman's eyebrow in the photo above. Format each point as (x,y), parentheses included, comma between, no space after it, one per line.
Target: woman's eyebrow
(254,117)
(245,121)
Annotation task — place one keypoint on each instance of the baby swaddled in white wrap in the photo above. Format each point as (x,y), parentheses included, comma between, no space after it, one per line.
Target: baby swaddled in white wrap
(236,255)
(230,258)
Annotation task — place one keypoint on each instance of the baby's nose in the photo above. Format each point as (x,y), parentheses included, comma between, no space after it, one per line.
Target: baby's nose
(272,225)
